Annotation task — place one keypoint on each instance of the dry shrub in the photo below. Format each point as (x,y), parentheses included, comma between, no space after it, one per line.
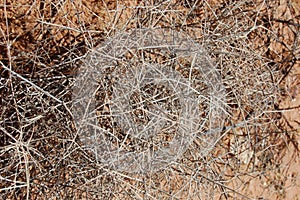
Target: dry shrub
(255,45)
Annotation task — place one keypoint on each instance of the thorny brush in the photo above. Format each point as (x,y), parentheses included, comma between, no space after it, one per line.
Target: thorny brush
(41,155)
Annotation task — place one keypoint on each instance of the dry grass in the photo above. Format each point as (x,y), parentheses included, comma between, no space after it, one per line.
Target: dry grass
(255,46)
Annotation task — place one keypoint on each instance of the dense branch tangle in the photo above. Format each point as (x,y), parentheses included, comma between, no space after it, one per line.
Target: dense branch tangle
(156,90)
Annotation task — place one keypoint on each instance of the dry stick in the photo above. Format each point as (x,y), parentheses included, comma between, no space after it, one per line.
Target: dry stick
(10,69)
(224,186)
(12,187)
(60,26)
(217,183)
(31,83)
(36,87)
